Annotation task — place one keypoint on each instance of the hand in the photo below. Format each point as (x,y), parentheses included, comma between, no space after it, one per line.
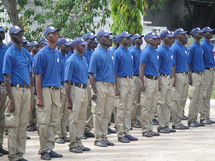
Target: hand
(40,102)
(173,82)
(117,93)
(93,97)
(11,107)
(142,88)
(69,105)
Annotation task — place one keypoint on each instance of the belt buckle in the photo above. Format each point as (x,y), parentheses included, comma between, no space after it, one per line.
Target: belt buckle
(82,85)
(17,85)
(168,76)
(153,77)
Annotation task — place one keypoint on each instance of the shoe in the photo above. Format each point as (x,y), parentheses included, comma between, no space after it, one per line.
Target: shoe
(84,136)
(124,139)
(131,128)
(4,152)
(45,156)
(6,132)
(147,134)
(186,127)
(83,148)
(100,143)
(154,133)
(75,149)
(184,117)
(213,122)
(111,131)
(164,130)
(179,127)
(131,138)
(108,133)
(155,122)
(55,155)
(89,134)
(136,125)
(66,139)
(199,124)
(28,137)
(30,128)
(109,143)
(23,159)
(1,154)
(35,127)
(192,124)
(206,121)
(170,130)
(67,128)
(59,141)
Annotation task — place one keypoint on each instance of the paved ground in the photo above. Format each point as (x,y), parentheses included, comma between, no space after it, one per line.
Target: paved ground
(195,144)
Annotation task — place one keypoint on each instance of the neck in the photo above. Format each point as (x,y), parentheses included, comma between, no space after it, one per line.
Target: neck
(165,44)
(123,45)
(103,46)
(116,46)
(137,46)
(62,52)
(79,53)
(17,45)
(152,46)
(180,42)
(208,40)
(197,40)
(51,45)
(88,47)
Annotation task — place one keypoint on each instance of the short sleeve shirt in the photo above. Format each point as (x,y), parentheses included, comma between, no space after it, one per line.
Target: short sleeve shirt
(136,59)
(3,50)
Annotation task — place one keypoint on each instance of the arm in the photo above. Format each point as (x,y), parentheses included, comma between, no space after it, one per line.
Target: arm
(34,82)
(39,90)
(141,75)
(173,76)
(189,76)
(117,93)
(93,86)
(8,89)
(68,96)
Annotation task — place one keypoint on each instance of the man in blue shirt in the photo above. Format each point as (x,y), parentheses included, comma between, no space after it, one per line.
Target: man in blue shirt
(3,49)
(164,106)
(47,68)
(124,86)
(149,61)
(196,77)
(209,75)
(61,134)
(180,78)
(136,110)
(42,43)
(76,92)
(116,43)
(90,38)
(16,69)
(101,79)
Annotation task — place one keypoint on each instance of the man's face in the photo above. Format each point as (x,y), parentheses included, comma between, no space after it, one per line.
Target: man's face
(80,48)
(152,41)
(17,38)
(105,40)
(172,40)
(2,35)
(53,37)
(71,48)
(158,41)
(35,49)
(91,43)
(126,41)
(42,45)
(208,35)
(65,48)
(138,41)
(182,37)
(197,35)
(167,40)
(117,43)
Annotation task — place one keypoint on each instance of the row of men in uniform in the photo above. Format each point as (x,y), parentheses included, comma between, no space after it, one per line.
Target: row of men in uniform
(128,82)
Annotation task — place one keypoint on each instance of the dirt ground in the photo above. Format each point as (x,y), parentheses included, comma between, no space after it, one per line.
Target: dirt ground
(194,144)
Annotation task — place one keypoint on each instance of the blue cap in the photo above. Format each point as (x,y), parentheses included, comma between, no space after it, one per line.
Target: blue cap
(15,30)
(10,43)
(64,41)
(50,29)
(33,43)
(124,34)
(173,33)
(179,31)
(79,40)
(187,36)
(28,44)
(150,35)
(96,42)
(116,38)
(136,36)
(196,30)
(24,39)
(166,33)
(207,29)
(103,33)
(1,29)
(89,35)
(158,35)
(111,37)
(43,41)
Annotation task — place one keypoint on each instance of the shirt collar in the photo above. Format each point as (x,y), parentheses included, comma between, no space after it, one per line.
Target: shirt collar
(75,54)
(123,48)
(163,46)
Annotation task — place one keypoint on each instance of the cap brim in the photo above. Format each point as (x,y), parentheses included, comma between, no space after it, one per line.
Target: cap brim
(128,35)
(68,43)
(84,43)
(17,31)
(210,30)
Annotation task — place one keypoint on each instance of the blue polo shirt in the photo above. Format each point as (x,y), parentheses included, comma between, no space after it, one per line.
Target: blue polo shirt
(3,50)
(47,63)
(131,47)
(208,54)
(195,58)
(88,55)
(101,65)
(63,64)
(76,69)
(113,49)
(17,63)
(149,56)
(180,57)
(165,60)
(69,54)
(123,62)
(136,58)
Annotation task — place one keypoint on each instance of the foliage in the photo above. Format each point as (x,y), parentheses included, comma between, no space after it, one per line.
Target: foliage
(154,5)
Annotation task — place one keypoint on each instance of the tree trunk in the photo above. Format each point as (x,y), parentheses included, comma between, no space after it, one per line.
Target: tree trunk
(211,18)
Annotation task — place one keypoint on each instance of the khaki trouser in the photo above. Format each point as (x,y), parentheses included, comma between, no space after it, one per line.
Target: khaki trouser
(89,120)
(33,114)
(196,95)
(208,88)
(77,115)
(164,106)
(102,109)
(2,117)
(48,118)
(63,114)
(17,122)
(123,118)
(148,103)
(179,95)
(136,110)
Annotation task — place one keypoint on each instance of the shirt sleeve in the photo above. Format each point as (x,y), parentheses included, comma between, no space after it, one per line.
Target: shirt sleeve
(38,64)
(116,61)
(174,55)
(144,57)
(69,68)
(190,54)
(7,64)
(93,64)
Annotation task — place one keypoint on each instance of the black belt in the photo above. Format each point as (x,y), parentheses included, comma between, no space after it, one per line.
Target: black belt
(209,68)
(152,77)
(166,75)
(136,75)
(62,84)
(53,87)
(80,85)
(1,83)
(183,72)
(20,85)
(127,76)
(197,72)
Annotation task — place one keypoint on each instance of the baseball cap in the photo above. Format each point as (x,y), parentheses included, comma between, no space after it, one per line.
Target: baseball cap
(64,41)
(79,40)
(207,29)
(166,33)
(103,33)
(33,43)
(179,31)
(196,30)
(1,29)
(116,38)
(150,35)
(15,30)
(89,35)
(157,34)
(43,41)
(136,36)
(50,29)
(124,34)
(24,39)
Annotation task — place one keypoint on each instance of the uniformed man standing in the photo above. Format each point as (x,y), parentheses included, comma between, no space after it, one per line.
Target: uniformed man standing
(16,69)
(47,69)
